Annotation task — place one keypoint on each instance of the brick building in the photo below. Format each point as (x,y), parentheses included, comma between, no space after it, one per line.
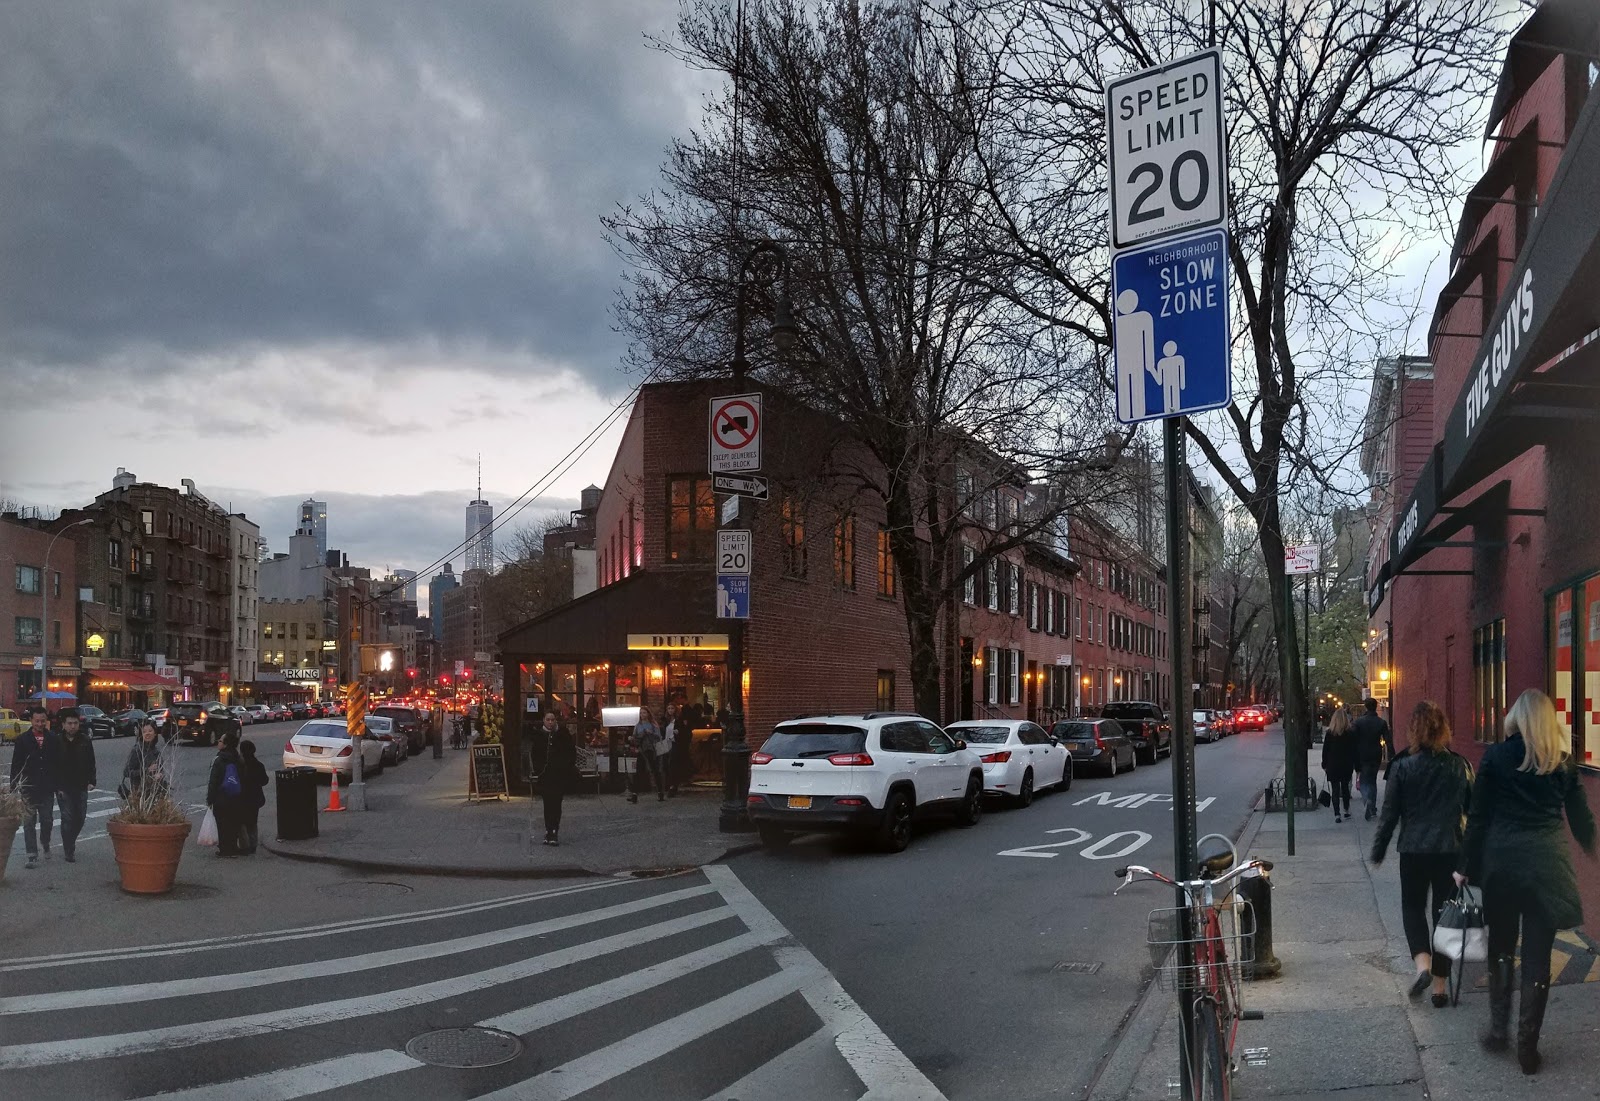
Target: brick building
(1486,481)
(37,598)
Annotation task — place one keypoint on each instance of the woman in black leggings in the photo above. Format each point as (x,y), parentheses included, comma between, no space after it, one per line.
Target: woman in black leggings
(1426,796)
(1517,850)
(1339,762)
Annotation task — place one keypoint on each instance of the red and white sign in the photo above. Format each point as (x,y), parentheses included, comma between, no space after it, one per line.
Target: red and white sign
(735,444)
(1306,558)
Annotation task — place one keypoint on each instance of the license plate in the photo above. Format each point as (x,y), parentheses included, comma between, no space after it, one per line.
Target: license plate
(799,802)
(315,748)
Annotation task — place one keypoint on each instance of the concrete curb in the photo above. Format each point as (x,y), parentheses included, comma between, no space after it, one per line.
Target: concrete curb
(557,871)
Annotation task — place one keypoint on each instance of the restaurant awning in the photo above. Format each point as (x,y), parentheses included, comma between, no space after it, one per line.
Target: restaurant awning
(665,602)
(134,680)
(1537,360)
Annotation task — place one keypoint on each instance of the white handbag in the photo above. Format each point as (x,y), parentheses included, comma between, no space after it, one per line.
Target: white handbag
(1461,931)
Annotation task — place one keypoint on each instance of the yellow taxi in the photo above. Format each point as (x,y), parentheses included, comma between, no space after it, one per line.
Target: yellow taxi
(11,727)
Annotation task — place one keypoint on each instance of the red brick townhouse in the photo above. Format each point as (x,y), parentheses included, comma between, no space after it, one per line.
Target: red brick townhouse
(1492,578)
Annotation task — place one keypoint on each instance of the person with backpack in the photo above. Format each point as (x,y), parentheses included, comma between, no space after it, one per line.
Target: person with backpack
(225,794)
(253,775)
(1528,788)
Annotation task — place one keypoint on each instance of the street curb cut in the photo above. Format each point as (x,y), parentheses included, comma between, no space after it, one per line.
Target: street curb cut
(558,871)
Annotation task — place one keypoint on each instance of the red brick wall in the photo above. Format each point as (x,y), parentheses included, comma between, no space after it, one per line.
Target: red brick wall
(26,546)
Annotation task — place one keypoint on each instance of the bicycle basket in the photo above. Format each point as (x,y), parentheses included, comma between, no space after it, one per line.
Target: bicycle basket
(1169,948)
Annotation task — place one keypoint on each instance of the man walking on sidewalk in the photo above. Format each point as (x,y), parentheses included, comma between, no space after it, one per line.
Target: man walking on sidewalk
(1371,735)
(34,761)
(75,779)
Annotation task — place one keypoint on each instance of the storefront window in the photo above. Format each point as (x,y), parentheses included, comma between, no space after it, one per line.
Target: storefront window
(628,682)
(1489,680)
(596,690)
(693,520)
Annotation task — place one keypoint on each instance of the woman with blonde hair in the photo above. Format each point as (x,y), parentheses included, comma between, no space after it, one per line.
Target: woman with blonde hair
(1339,762)
(1516,851)
(1426,796)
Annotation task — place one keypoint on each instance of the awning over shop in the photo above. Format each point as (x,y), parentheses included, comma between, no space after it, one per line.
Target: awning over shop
(1545,320)
(134,680)
(659,602)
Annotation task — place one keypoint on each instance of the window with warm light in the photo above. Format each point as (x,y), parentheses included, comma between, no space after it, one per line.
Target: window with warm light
(691,519)
(844,552)
(885,689)
(885,564)
(793,522)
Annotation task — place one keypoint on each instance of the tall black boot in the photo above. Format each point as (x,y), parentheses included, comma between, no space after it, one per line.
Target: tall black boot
(1500,972)
(1530,1019)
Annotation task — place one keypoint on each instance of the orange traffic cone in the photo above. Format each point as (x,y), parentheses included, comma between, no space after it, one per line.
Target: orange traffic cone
(333,798)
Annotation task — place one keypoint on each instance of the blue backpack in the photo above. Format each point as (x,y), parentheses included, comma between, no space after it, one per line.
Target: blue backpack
(230,780)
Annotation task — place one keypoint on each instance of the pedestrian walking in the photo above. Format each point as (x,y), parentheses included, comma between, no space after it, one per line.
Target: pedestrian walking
(35,759)
(646,739)
(665,752)
(1515,851)
(225,794)
(144,777)
(75,779)
(1339,762)
(1426,797)
(1371,735)
(253,778)
(559,774)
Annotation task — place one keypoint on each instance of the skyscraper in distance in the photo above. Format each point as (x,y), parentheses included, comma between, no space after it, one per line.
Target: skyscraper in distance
(480,529)
(314,515)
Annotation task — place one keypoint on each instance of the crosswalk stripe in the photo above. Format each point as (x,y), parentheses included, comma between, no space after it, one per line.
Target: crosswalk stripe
(280,1085)
(324,969)
(44,1053)
(147,951)
(775,1079)
(598,1067)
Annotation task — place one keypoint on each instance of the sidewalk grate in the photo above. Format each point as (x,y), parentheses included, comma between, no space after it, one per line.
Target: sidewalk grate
(464,1047)
(1078,967)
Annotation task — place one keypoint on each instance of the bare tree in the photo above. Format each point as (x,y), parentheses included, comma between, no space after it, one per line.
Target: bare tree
(529,582)
(845,139)
(1343,120)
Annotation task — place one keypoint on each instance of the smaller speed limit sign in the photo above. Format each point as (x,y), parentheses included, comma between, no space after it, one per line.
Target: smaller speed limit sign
(733,551)
(1169,169)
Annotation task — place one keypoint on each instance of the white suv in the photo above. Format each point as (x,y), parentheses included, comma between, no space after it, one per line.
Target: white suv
(867,774)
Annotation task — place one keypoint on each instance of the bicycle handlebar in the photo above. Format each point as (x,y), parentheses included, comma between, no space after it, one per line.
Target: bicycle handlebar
(1231,874)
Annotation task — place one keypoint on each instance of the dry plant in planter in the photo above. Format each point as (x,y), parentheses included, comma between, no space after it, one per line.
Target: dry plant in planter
(13,804)
(150,803)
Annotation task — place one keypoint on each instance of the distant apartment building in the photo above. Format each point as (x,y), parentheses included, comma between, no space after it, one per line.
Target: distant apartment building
(442,582)
(246,539)
(38,603)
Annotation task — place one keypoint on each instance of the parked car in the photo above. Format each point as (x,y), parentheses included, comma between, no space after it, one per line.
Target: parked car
(203,723)
(1146,726)
(325,745)
(1097,743)
(1251,718)
(158,715)
(410,723)
(387,731)
(11,725)
(1222,721)
(259,712)
(127,721)
(243,714)
(1018,757)
(866,774)
(1205,727)
(301,711)
(95,722)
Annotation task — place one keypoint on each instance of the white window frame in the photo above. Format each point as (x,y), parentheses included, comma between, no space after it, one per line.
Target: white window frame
(1015,677)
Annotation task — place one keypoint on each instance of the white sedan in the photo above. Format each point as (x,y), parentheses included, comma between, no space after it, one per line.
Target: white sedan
(326,746)
(1018,756)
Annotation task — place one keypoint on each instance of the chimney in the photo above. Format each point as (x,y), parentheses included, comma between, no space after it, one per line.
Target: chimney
(123,480)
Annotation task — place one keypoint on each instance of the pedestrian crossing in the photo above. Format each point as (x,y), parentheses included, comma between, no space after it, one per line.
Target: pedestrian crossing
(686,987)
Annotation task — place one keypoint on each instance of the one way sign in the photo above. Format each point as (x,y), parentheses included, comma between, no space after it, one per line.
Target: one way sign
(736,434)
(741,484)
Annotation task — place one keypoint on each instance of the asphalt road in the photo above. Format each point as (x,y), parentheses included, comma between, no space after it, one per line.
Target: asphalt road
(958,948)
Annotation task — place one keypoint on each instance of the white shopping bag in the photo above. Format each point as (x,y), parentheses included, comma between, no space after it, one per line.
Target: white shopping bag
(208,830)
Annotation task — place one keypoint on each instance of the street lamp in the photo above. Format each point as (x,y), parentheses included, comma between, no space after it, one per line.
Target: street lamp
(735,751)
(44,612)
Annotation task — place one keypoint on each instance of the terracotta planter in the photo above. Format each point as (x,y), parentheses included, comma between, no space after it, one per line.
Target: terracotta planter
(8,835)
(147,856)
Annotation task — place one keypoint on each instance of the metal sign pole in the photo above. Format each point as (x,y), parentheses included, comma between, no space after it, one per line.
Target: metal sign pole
(1183,788)
(1289,727)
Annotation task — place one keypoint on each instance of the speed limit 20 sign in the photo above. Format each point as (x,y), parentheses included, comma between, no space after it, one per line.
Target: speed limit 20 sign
(1168,158)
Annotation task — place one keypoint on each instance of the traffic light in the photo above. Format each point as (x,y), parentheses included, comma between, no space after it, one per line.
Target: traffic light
(412,673)
(467,673)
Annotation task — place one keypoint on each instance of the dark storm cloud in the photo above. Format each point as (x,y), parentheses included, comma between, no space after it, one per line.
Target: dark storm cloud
(189,180)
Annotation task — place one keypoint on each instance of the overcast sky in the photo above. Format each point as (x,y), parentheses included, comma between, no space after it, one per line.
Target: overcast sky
(294,250)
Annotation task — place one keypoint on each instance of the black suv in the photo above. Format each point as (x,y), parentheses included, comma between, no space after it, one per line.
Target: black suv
(408,721)
(1146,726)
(202,723)
(95,722)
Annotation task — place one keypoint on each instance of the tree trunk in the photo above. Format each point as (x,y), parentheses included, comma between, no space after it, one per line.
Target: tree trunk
(1290,672)
(919,595)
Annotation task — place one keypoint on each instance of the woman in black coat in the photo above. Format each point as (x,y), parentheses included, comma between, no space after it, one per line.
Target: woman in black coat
(1517,851)
(560,775)
(1427,797)
(228,806)
(1339,762)
(253,775)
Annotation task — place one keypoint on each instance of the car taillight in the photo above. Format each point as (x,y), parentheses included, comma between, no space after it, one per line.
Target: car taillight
(201,718)
(849,801)
(288,747)
(345,752)
(1098,743)
(850,759)
(996,758)
(761,758)
(754,799)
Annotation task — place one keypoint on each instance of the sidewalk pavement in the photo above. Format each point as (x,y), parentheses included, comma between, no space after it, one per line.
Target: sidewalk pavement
(418,820)
(1338,1022)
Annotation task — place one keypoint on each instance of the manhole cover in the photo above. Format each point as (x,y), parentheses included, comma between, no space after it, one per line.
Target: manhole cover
(1073,967)
(365,888)
(465,1047)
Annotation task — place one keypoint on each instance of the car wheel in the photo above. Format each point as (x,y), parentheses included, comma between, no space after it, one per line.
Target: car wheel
(1113,770)
(1066,775)
(774,838)
(972,802)
(894,834)
(1025,792)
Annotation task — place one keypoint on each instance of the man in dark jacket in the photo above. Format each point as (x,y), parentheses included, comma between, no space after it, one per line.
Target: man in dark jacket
(1371,736)
(34,761)
(75,779)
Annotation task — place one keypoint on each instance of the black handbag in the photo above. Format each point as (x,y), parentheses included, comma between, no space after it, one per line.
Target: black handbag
(1324,798)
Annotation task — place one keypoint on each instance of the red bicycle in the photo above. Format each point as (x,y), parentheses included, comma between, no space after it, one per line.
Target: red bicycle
(1202,947)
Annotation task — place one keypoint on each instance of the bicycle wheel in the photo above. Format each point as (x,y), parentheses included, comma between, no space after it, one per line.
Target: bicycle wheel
(1211,1053)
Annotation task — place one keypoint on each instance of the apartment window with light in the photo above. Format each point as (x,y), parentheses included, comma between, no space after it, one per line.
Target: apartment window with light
(885,689)
(885,564)
(692,520)
(844,552)
(794,538)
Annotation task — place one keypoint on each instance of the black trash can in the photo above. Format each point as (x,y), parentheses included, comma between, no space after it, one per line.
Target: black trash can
(297,804)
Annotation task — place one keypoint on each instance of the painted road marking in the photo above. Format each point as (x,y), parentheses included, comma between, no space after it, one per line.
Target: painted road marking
(275,1085)
(1038,850)
(1138,799)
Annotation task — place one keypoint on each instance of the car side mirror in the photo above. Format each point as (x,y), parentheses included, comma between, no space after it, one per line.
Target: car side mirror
(960,744)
